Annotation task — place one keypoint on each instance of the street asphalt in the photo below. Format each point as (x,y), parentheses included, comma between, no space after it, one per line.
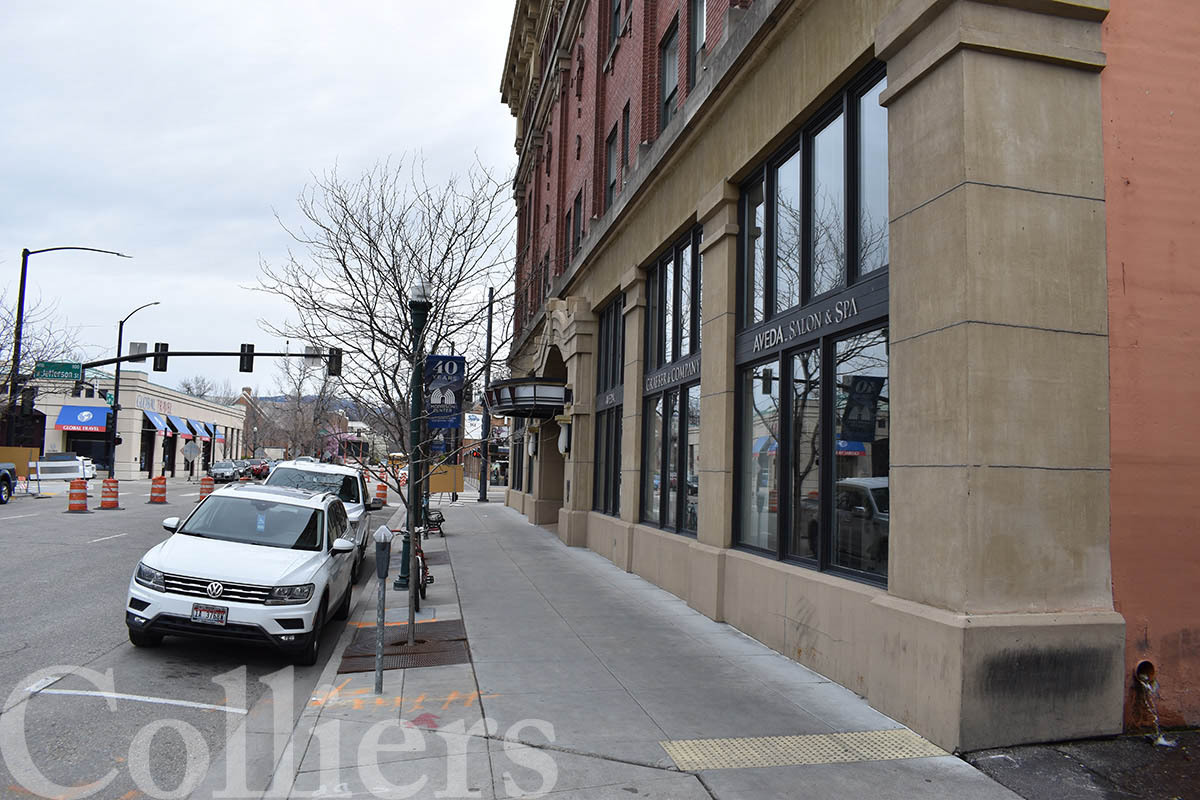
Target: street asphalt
(63,587)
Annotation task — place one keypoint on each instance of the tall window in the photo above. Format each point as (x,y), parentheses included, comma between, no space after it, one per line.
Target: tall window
(625,141)
(813,402)
(614,23)
(696,27)
(671,413)
(610,360)
(668,57)
(610,168)
(815,217)
(577,222)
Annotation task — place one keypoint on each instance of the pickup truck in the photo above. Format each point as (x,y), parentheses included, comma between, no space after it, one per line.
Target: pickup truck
(8,479)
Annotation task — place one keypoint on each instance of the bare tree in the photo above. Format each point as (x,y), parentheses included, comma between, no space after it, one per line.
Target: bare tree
(45,334)
(362,245)
(199,386)
(300,419)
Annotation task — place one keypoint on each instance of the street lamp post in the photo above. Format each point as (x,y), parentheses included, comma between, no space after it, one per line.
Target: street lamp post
(485,463)
(418,307)
(116,395)
(16,355)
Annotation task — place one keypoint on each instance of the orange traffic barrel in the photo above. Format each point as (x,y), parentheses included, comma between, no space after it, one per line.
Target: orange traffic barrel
(110,498)
(206,487)
(244,479)
(404,479)
(78,497)
(381,492)
(158,490)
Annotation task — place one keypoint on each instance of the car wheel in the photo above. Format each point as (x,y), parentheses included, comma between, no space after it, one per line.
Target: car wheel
(144,638)
(312,646)
(5,491)
(343,609)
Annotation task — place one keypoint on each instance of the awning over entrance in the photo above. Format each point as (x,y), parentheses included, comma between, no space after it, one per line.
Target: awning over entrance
(82,418)
(200,430)
(218,433)
(845,447)
(181,427)
(537,398)
(157,420)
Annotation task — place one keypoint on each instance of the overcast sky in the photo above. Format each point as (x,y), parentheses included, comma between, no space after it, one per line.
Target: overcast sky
(175,131)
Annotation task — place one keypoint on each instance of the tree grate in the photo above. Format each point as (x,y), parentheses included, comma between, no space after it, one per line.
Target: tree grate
(453,653)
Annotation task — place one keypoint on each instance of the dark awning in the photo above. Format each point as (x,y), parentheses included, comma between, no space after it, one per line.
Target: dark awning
(536,398)
(83,418)
(200,430)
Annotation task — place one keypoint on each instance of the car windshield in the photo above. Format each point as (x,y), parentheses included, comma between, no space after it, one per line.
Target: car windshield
(223,465)
(346,486)
(881,499)
(256,521)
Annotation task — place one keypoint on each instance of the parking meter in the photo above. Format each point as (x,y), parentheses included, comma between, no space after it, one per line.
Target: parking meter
(383,551)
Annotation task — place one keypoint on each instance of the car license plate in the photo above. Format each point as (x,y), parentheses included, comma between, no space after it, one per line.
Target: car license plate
(209,615)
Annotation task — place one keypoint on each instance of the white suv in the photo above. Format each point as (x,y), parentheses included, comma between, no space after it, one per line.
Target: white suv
(250,563)
(349,486)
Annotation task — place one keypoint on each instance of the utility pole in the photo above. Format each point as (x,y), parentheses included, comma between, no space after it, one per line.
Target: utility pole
(485,452)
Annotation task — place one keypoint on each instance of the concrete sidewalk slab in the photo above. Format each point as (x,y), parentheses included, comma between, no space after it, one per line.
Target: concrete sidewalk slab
(583,679)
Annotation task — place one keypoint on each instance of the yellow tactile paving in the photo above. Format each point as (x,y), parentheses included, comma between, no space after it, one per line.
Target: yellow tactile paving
(785,751)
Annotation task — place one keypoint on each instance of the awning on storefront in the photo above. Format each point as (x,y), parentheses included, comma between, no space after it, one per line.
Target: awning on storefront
(180,426)
(845,447)
(218,433)
(765,444)
(156,419)
(82,418)
(200,430)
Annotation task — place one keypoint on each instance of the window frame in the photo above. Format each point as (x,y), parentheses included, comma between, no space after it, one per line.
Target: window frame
(668,102)
(818,324)
(610,168)
(610,394)
(846,105)
(696,48)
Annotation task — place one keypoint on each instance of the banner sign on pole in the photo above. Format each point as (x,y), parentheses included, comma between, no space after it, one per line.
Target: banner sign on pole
(445,378)
(862,408)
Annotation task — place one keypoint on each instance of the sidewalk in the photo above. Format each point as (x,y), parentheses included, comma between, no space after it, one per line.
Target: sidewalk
(587,682)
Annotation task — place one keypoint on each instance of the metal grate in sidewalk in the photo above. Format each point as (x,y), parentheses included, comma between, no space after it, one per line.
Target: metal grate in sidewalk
(783,751)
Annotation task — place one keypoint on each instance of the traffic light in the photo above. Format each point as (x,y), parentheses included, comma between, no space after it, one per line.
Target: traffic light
(110,429)
(27,396)
(160,356)
(246,361)
(335,362)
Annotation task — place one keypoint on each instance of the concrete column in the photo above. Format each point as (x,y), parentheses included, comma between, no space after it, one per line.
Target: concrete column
(634,286)
(579,344)
(718,213)
(998,625)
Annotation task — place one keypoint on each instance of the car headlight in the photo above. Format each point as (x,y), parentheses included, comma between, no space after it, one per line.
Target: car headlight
(149,577)
(290,595)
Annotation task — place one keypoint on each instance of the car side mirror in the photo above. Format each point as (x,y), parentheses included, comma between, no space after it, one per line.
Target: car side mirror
(374,504)
(171,524)
(343,546)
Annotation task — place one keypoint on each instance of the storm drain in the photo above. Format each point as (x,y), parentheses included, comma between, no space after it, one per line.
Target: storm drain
(446,653)
(785,751)
(437,644)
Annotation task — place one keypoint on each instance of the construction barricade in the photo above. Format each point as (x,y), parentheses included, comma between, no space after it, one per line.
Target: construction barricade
(158,490)
(110,496)
(77,503)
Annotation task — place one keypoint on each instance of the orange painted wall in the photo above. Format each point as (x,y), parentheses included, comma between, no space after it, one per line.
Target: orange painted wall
(1151,100)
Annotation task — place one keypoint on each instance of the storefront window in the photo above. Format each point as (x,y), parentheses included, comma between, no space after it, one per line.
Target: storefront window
(812,353)
(860,531)
(610,342)
(806,454)
(670,487)
(827,206)
(652,472)
(760,456)
(872,180)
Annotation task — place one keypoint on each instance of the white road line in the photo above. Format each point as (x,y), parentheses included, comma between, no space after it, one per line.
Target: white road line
(164,701)
(18,516)
(106,538)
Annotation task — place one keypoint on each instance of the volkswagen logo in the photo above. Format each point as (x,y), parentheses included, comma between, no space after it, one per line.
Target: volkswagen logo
(215,589)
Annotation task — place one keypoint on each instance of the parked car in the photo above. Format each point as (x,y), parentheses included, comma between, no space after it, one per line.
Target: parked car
(8,479)
(223,471)
(248,563)
(349,486)
(243,467)
(258,467)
